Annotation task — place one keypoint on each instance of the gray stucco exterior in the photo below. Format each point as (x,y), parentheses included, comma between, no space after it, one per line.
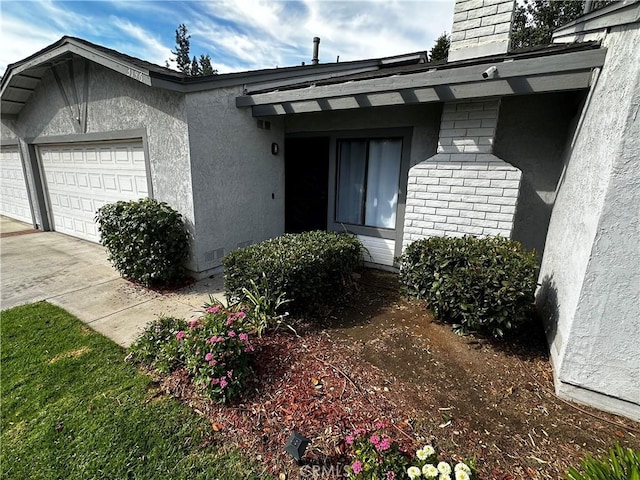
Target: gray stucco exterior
(590,272)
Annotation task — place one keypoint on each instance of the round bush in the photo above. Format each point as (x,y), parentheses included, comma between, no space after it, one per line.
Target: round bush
(484,284)
(146,240)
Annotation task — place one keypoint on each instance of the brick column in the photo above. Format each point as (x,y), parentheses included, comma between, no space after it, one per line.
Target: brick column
(464,189)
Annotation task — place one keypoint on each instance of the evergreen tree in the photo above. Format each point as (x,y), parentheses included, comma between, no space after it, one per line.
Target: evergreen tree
(205,66)
(183,60)
(195,68)
(440,50)
(535,20)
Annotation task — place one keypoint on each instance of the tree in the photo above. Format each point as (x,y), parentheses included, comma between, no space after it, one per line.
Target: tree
(535,20)
(206,67)
(187,65)
(182,50)
(440,50)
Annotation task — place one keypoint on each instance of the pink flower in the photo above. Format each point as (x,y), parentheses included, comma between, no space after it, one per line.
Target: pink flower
(193,323)
(208,356)
(215,381)
(180,335)
(383,445)
(230,374)
(214,309)
(244,337)
(241,314)
(230,319)
(375,439)
(249,348)
(215,339)
(380,425)
(231,334)
(348,439)
(356,467)
(391,475)
(223,383)
(213,363)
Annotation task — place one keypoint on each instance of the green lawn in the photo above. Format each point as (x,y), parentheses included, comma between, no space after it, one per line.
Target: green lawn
(73,409)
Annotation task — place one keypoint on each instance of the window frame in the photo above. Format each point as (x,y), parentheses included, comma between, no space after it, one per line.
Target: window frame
(404,134)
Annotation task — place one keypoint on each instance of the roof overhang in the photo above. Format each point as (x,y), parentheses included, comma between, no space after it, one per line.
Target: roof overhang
(592,24)
(513,76)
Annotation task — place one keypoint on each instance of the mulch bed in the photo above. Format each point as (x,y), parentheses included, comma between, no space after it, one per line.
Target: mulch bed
(385,358)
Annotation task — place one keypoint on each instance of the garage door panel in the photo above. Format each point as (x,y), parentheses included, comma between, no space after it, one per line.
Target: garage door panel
(14,200)
(83,178)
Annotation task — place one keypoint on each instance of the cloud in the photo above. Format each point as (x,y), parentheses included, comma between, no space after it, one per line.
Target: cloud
(141,42)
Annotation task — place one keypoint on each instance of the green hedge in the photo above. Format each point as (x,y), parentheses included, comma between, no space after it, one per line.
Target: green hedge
(311,269)
(483,284)
(146,240)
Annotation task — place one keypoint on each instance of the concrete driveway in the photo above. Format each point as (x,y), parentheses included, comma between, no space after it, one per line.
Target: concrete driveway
(75,275)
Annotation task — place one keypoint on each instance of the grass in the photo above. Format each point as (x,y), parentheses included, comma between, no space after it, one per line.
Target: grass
(73,409)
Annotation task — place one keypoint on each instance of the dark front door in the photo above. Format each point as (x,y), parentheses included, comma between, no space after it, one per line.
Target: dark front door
(306,184)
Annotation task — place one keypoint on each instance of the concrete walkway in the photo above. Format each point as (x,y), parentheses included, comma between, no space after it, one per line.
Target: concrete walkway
(75,275)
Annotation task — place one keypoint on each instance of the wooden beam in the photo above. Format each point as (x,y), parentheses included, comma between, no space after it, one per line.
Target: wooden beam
(441,93)
(561,63)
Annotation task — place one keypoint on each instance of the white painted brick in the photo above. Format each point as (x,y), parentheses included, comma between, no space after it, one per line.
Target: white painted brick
(502,200)
(446,141)
(446,227)
(411,180)
(505,183)
(445,125)
(497,2)
(489,207)
(469,107)
(485,141)
(461,142)
(432,233)
(505,225)
(483,114)
(464,190)
(468,5)
(453,116)
(488,122)
(496,19)
(450,197)
(449,107)
(461,16)
(475,182)
(413,230)
(466,174)
(503,166)
(452,132)
(474,199)
(461,206)
(478,149)
(460,44)
(510,192)
(496,232)
(476,222)
(452,181)
(474,166)
(480,132)
(457,234)
(479,32)
(441,173)
(459,221)
(488,191)
(508,209)
(463,158)
(481,12)
(501,217)
(413,216)
(439,188)
(408,210)
(449,149)
(437,204)
(418,188)
(502,28)
(426,195)
(472,214)
(470,230)
(514,175)
(477,123)
(427,181)
(448,212)
(449,166)
(505,7)
(435,218)
(426,210)
(466,24)
(492,175)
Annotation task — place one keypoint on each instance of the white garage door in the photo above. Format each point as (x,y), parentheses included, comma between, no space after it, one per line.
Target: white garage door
(81,178)
(14,201)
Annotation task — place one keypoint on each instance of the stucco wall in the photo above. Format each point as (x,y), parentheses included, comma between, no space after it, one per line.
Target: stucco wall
(118,103)
(590,270)
(238,185)
(532,135)
(425,120)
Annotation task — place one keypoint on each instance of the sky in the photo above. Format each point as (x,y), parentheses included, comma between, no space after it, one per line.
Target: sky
(239,35)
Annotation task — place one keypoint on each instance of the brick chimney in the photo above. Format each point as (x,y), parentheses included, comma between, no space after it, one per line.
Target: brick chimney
(480,28)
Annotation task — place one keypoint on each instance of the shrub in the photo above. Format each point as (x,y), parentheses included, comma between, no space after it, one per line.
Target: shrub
(484,284)
(158,346)
(622,464)
(146,240)
(309,269)
(216,352)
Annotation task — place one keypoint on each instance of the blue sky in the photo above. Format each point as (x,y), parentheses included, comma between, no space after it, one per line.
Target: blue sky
(238,34)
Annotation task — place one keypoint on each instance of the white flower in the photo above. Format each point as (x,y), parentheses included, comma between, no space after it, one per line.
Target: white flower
(462,467)
(444,477)
(421,454)
(429,471)
(462,475)
(413,472)
(429,450)
(444,468)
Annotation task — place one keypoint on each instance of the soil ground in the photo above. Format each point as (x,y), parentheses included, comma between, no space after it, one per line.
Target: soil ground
(385,358)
